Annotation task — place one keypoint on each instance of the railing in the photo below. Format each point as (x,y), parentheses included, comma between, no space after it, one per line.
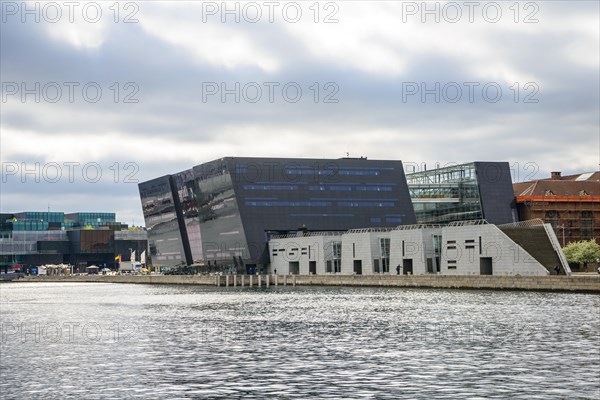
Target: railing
(523,224)
(523,199)
(417,226)
(370,230)
(25,252)
(468,223)
(131,235)
(307,234)
(435,200)
(557,248)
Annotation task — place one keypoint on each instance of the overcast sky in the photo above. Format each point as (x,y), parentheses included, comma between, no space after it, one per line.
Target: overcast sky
(381,79)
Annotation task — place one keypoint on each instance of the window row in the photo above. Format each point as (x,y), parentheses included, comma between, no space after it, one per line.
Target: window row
(319,203)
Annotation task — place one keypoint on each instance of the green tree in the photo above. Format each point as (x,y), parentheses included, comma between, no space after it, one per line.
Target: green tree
(582,252)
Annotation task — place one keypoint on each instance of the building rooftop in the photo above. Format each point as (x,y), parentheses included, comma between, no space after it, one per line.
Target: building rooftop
(586,176)
(56,220)
(578,185)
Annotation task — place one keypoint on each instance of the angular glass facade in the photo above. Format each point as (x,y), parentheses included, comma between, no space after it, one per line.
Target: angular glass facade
(227,208)
(223,239)
(162,222)
(446,194)
(472,191)
(185,187)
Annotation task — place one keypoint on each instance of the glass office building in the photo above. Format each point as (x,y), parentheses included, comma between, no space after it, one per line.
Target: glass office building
(222,213)
(30,239)
(472,191)
(93,219)
(45,216)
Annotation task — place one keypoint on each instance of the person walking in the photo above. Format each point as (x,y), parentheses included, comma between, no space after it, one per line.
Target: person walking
(398,269)
(557,269)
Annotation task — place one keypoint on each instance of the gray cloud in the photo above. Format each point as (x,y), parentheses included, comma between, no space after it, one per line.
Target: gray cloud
(559,132)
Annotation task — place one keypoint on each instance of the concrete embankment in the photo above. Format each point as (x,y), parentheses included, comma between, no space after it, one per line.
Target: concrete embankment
(575,283)
(145,279)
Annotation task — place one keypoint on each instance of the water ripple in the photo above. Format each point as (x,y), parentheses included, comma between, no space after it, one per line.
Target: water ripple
(112,341)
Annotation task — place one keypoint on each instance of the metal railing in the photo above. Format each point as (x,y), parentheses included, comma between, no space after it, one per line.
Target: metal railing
(523,224)
(470,222)
(369,230)
(307,234)
(557,248)
(417,226)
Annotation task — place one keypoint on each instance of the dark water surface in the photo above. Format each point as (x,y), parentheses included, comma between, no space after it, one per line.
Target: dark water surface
(103,341)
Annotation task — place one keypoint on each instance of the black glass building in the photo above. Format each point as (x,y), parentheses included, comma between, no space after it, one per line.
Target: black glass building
(163,218)
(221,213)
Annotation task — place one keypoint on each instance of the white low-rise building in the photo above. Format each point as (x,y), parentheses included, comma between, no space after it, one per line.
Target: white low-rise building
(483,249)
(366,251)
(460,248)
(415,249)
(306,253)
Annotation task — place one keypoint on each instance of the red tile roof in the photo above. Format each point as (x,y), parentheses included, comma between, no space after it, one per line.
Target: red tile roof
(566,186)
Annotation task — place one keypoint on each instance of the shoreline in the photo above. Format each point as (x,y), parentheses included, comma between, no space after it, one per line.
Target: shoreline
(569,284)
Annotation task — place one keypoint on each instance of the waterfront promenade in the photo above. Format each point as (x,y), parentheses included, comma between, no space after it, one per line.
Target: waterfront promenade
(574,283)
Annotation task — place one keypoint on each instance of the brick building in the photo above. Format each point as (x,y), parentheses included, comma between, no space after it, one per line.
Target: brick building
(571,204)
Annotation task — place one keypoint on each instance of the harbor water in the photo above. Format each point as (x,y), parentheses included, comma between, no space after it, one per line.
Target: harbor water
(109,341)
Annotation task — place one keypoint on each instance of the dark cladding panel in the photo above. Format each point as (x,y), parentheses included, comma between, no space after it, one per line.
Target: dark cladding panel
(496,192)
(164,236)
(285,194)
(223,240)
(186,202)
(96,241)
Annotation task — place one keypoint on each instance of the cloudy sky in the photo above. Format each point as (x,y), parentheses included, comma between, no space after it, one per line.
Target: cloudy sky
(98,97)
